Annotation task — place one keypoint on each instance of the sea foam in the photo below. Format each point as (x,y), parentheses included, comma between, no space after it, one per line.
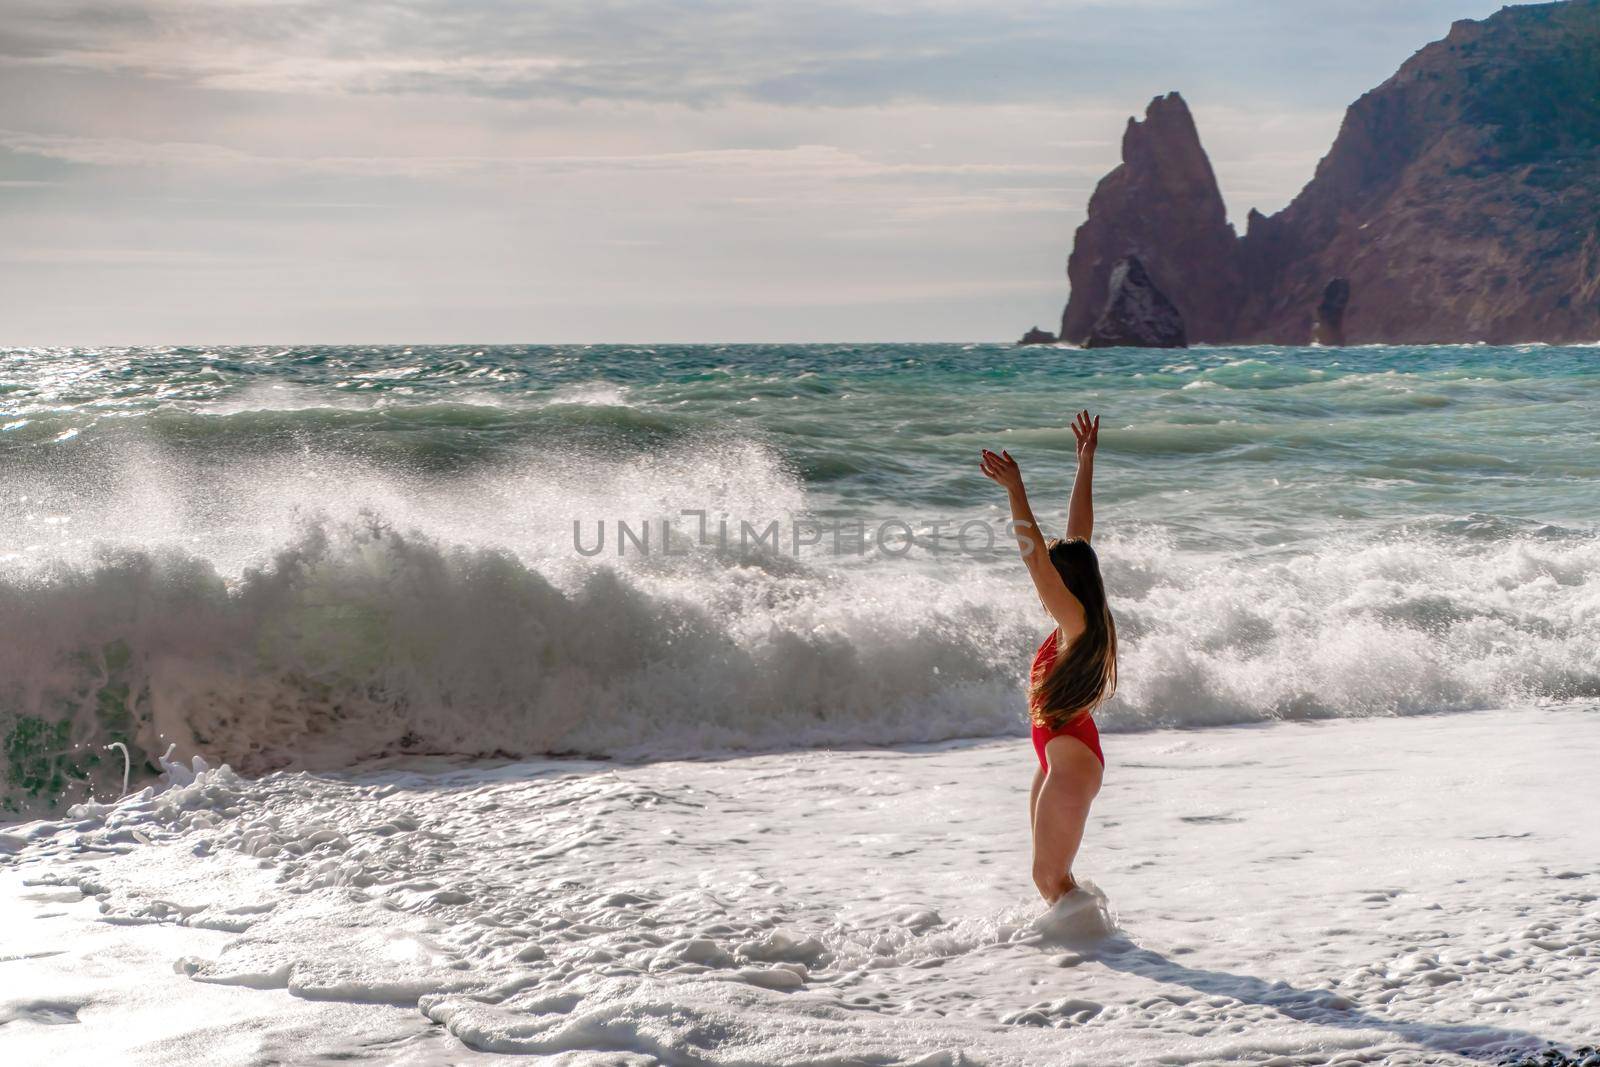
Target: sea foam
(357,640)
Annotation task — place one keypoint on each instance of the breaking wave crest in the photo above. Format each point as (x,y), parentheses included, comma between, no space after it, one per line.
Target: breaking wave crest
(358,639)
(1413,622)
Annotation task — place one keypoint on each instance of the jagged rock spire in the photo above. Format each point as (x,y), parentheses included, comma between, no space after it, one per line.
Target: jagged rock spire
(1162,205)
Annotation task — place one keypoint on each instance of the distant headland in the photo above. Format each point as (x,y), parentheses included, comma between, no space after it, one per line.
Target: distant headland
(1460,202)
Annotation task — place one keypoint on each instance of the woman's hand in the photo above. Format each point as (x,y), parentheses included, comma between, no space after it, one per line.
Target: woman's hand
(1087,432)
(1002,470)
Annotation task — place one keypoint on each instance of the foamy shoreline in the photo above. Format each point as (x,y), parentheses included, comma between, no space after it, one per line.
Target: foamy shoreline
(1395,891)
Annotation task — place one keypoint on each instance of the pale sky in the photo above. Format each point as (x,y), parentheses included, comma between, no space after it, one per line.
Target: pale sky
(341,171)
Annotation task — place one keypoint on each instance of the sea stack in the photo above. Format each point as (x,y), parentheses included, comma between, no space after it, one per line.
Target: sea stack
(1161,205)
(1036,336)
(1137,314)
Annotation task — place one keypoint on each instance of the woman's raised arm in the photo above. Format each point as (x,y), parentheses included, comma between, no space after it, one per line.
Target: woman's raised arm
(1080,511)
(1058,600)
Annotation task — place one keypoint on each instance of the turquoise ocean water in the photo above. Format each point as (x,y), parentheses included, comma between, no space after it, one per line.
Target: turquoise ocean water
(311,556)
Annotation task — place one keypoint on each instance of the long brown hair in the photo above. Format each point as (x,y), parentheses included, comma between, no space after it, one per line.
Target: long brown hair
(1086,673)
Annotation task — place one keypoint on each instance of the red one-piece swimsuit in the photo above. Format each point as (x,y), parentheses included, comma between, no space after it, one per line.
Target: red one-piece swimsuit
(1083,727)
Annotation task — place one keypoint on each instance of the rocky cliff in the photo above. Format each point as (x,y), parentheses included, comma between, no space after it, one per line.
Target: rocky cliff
(1459,202)
(1137,313)
(1162,206)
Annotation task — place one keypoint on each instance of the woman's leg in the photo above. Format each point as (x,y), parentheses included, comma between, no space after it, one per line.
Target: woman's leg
(1061,810)
(1033,797)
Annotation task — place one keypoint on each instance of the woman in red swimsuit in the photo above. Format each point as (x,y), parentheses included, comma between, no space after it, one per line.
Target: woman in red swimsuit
(1074,670)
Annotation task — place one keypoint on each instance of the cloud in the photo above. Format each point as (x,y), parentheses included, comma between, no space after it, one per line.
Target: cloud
(805,161)
(118,151)
(695,52)
(120,257)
